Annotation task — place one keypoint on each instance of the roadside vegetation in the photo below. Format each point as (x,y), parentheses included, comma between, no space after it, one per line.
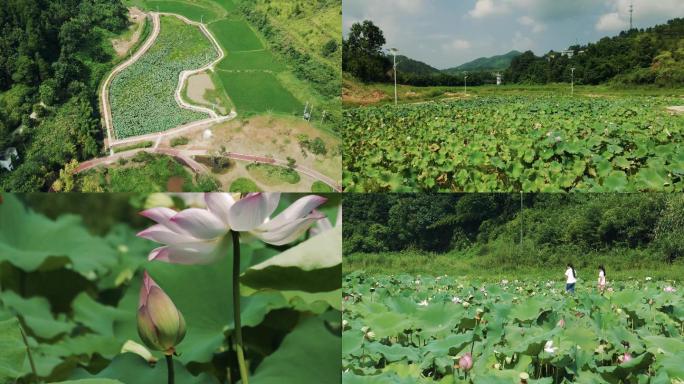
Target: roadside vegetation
(145,173)
(273,175)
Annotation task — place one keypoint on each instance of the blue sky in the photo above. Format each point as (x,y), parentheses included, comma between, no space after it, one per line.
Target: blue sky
(447,33)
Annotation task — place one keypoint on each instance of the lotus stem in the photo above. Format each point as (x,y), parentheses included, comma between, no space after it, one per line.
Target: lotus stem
(169,368)
(236,307)
(28,353)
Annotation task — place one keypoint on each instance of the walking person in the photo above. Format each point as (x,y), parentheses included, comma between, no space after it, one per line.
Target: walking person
(571,279)
(602,279)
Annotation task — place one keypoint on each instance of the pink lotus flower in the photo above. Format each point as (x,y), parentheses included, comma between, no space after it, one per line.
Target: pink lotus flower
(161,326)
(669,289)
(466,362)
(561,323)
(625,358)
(193,236)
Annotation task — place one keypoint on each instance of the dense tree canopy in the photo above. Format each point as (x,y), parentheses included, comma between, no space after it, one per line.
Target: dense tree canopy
(52,57)
(554,223)
(653,55)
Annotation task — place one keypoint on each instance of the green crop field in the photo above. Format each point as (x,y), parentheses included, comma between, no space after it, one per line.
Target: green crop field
(235,35)
(416,329)
(517,142)
(197,11)
(142,96)
(254,60)
(259,92)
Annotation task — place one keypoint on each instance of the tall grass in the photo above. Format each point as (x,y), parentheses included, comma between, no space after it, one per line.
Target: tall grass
(620,265)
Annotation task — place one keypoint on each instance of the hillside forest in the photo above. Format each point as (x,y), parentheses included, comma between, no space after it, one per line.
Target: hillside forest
(52,57)
(532,229)
(653,55)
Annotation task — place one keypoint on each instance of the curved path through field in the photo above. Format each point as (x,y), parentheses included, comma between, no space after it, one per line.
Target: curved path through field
(182,78)
(104,92)
(186,157)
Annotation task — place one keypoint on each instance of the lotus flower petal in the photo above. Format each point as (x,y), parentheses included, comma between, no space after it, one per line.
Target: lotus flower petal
(161,234)
(290,231)
(219,204)
(299,209)
(162,215)
(252,210)
(190,253)
(147,330)
(200,223)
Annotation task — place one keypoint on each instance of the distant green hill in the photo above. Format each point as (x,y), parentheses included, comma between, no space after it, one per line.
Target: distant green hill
(494,63)
(408,65)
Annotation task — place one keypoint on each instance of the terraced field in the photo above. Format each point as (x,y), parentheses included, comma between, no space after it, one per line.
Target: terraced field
(248,73)
(142,96)
(408,329)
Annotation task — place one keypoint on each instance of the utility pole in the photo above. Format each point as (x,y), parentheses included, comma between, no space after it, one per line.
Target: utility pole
(631,12)
(572,84)
(394,51)
(465,83)
(521,218)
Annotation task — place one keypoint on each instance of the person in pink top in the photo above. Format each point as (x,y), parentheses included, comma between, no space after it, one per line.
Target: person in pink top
(602,279)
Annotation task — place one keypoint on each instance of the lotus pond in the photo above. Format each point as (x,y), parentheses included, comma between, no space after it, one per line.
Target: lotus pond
(516,143)
(408,329)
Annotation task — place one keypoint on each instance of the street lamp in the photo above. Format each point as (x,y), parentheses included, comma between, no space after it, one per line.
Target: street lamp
(394,51)
(572,84)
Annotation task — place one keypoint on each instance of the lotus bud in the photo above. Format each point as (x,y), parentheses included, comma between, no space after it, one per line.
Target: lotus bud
(161,326)
(466,362)
(561,323)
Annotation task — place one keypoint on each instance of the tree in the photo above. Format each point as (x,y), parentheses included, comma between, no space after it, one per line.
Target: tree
(65,182)
(362,52)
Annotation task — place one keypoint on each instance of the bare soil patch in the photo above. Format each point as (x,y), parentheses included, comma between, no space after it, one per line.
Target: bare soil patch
(270,136)
(198,87)
(122,46)
(362,98)
(676,109)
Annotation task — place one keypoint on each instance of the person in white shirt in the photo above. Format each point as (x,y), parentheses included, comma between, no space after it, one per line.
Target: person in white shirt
(571,279)
(602,279)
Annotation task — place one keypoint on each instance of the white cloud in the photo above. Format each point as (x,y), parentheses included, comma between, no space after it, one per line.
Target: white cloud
(485,8)
(611,22)
(532,23)
(521,42)
(456,45)
(406,6)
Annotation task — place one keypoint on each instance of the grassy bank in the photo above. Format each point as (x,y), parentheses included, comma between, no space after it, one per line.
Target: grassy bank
(360,94)
(619,266)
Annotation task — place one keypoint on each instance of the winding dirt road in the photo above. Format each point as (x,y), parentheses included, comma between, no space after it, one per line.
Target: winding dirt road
(184,156)
(104,92)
